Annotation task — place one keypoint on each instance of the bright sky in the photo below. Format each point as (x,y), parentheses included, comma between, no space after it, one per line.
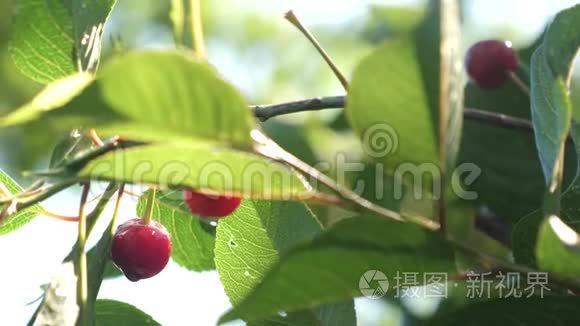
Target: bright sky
(176,296)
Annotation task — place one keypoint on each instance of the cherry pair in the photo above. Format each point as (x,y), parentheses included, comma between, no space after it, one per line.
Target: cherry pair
(142,250)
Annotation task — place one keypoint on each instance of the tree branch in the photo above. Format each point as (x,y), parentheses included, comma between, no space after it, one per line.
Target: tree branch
(265,112)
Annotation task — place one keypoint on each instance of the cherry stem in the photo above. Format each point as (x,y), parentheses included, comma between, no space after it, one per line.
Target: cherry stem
(60,217)
(524,69)
(42,194)
(130,193)
(293,19)
(520,83)
(150,202)
(120,193)
(82,282)
(196,26)
(95,137)
(94,199)
(6,196)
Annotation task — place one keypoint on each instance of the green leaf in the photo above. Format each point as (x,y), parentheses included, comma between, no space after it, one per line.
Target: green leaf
(551,114)
(111,271)
(184,96)
(382,85)
(440,57)
(53,39)
(89,22)
(553,255)
(111,312)
(561,42)
(13,222)
(55,95)
(42,44)
(185,102)
(329,267)
(340,313)
(98,259)
(250,241)
(521,311)
(397,98)
(150,95)
(505,157)
(553,117)
(200,166)
(192,240)
(302,318)
(550,83)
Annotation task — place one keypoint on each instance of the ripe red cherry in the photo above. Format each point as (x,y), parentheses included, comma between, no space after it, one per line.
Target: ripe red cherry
(210,206)
(490,62)
(140,250)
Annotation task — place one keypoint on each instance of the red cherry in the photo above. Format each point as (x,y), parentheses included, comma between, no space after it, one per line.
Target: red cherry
(490,62)
(140,250)
(208,206)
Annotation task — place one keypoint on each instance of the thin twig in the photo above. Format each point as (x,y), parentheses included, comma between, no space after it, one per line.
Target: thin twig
(82,275)
(46,193)
(79,162)
(291,17)
(498,119)
(60,217)
(131,193)
(520,83)
(265,112)
(196,26)
(8,197)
